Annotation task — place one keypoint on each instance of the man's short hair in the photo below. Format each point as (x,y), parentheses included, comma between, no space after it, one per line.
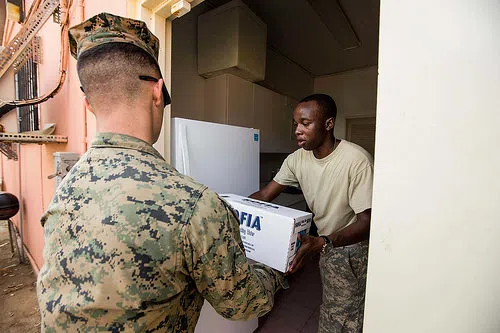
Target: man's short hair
(325,102)
(114,69)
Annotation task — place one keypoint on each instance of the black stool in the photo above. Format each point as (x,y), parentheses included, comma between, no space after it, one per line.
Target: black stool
(9,206)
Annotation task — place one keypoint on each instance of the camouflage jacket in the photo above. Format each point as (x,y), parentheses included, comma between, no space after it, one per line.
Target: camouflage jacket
(132,245)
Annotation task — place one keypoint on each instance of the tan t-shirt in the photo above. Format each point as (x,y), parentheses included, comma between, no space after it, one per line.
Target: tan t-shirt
(336,187)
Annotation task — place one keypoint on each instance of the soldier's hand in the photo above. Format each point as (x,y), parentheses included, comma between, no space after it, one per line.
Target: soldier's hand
(310,246)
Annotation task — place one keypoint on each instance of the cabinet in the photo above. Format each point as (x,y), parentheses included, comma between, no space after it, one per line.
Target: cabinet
(232,39)
(263,115)
(280,123)
(235,101)
(229,100)
(239,102)
(273,115)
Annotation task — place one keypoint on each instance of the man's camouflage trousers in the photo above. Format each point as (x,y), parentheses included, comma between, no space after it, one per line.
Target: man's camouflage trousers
(343,274)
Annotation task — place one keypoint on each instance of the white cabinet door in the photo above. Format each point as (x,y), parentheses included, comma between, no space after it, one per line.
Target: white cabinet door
(234,101)
(273,116)
(282,122)
(216,99)
(229,100)
(239,102)
(262,113)
(279,123)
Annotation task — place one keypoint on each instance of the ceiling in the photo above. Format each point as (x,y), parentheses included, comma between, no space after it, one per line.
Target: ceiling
(317,34)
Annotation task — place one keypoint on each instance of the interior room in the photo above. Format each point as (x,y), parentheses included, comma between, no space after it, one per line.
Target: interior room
(296,48)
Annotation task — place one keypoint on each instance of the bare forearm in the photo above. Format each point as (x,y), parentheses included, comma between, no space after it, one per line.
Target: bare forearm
(259,195)
(354,233)
(268,193)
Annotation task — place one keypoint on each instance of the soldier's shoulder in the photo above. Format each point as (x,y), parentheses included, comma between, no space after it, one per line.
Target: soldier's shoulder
(356,152)
(181,182)
(210,204)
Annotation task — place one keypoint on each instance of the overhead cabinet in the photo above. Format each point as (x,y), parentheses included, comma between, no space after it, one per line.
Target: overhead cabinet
(234,101)
(229,100)
(232,40)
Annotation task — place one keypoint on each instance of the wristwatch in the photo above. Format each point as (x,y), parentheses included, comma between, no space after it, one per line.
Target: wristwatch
(327,241)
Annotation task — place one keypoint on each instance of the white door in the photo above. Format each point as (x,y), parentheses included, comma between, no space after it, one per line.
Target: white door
(434,246)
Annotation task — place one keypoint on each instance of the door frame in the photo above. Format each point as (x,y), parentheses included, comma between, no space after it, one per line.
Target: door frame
(158,17)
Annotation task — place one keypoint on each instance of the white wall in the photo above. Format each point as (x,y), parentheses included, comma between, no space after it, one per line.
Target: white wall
(435,249)
(354,92)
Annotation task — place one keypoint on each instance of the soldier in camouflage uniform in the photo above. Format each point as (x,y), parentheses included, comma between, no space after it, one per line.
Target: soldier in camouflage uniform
(336,177)
(131,244)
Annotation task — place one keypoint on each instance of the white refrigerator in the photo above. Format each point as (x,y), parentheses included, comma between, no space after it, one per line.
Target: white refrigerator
(226,159)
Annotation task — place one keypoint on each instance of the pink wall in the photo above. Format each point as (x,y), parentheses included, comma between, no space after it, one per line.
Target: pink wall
(71,118)
(32,187)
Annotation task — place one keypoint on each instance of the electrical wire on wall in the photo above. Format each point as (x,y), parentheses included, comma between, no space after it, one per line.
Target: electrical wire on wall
(65,6)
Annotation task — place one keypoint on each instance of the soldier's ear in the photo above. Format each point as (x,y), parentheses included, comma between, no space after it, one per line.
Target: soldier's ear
(87,104)
(157,94)
(330,123)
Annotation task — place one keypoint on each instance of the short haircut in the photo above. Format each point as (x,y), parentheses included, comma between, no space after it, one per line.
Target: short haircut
(112,70)
(325,102)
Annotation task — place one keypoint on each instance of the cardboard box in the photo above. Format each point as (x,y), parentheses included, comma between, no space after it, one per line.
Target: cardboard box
(269,232)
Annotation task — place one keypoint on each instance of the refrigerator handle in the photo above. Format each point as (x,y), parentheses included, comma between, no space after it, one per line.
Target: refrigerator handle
(184,151)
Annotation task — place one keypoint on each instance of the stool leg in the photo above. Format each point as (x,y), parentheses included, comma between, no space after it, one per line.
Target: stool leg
(10,237)
(13,238)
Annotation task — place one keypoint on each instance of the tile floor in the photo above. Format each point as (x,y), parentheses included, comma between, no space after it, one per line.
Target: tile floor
(296,309)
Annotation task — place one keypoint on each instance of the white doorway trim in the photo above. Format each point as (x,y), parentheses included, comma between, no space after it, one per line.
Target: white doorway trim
(158,17)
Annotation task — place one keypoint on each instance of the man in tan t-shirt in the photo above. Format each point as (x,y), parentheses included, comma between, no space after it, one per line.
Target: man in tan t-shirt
(336,177)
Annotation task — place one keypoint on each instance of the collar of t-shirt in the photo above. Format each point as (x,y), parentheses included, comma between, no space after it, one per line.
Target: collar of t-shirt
(330,156)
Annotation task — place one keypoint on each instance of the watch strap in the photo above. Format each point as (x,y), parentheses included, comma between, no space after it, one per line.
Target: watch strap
(327,241)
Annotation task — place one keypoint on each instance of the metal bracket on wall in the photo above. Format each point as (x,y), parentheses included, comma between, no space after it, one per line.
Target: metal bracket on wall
(7,150)
(34,50)
(56,16)
(32,138)
(23,39)
(7,139)
(63,162)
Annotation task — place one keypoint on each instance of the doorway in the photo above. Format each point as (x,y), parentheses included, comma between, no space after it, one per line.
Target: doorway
(320,46)
(361,131)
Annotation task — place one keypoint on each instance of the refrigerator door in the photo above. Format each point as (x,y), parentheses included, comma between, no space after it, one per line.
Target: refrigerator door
(225,158)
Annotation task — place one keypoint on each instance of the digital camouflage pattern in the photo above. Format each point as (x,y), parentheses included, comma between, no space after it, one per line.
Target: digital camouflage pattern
(343,274)
(132,245)
(108,28)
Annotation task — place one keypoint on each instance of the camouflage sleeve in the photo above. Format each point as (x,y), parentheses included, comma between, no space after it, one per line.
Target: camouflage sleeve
(216,260)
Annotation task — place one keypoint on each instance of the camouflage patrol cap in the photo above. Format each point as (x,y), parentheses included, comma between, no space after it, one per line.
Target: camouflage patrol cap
(108,28)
